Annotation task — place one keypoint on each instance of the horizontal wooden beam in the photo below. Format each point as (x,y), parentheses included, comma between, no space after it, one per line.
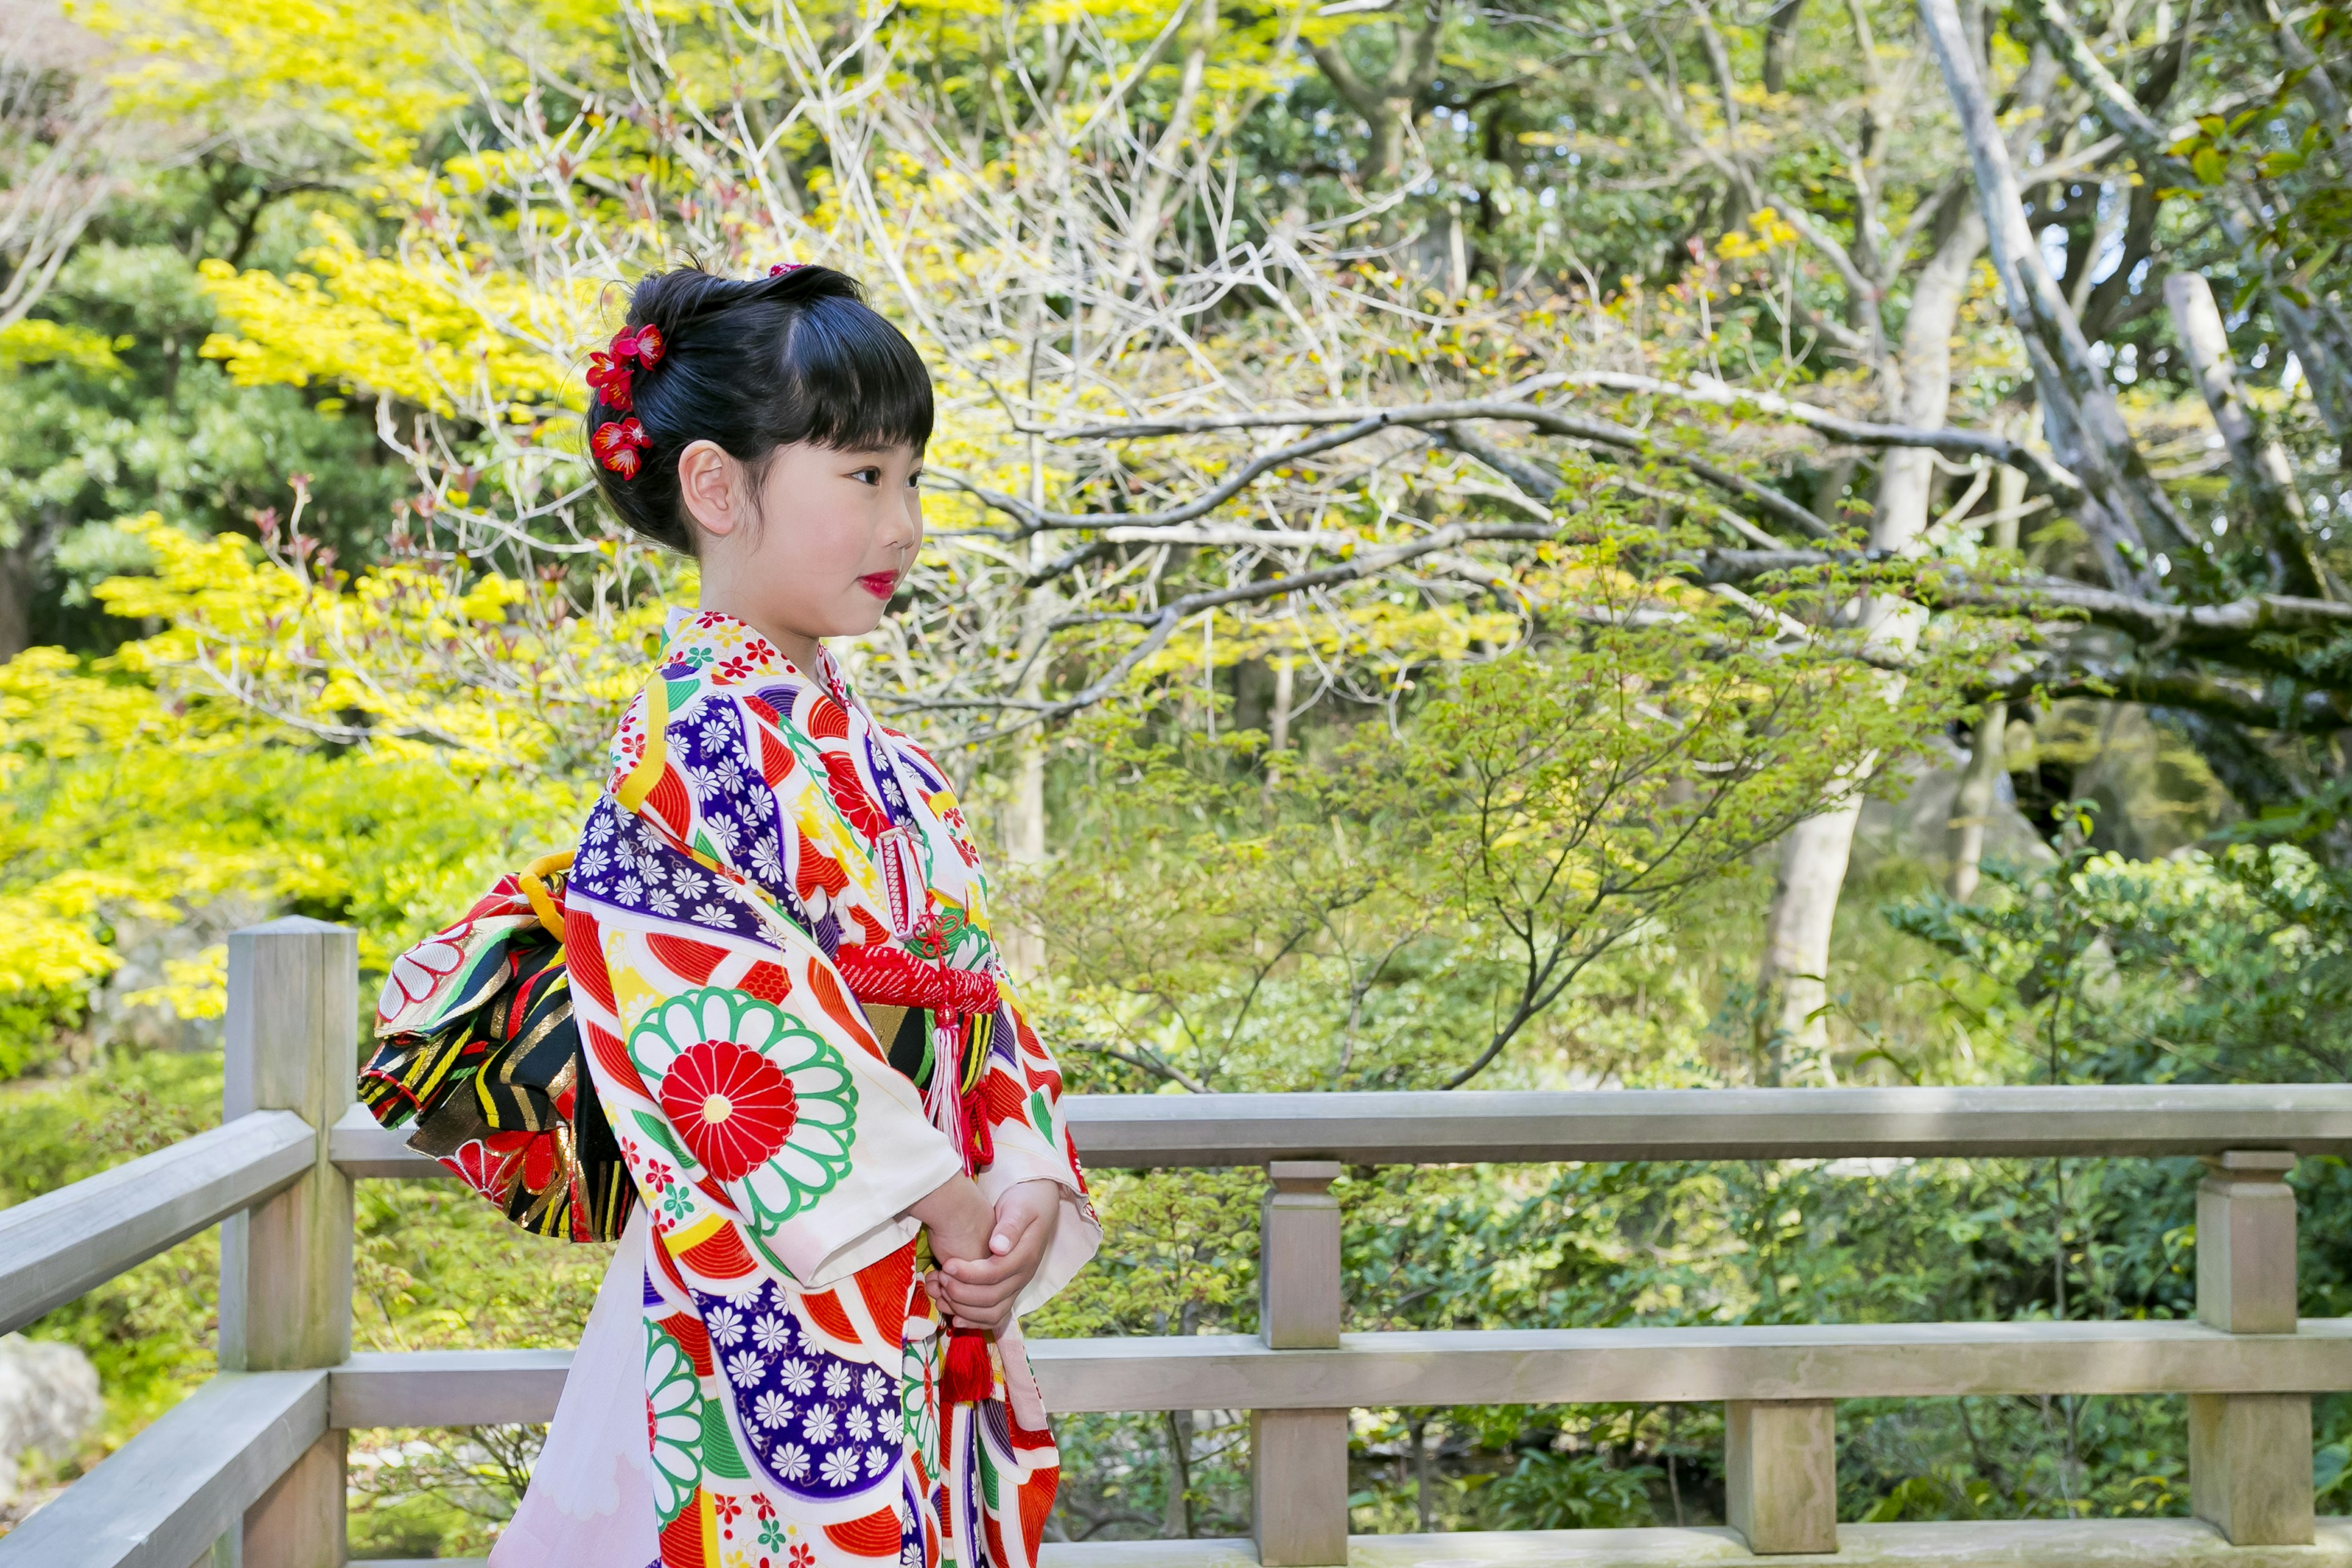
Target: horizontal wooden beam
(1972,1543)
(1150,1130)
(1144,1131)
(163,1498)
(60,1245)
(1700,1365)
(447,1388)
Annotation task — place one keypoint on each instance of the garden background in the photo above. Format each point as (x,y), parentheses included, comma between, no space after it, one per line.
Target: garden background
(1580,544)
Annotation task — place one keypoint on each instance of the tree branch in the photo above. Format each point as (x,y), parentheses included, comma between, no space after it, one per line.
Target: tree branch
(2045,473)
(2281,707)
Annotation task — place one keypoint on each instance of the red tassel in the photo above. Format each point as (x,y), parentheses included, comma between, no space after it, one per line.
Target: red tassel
(967,1379)
(980,1137)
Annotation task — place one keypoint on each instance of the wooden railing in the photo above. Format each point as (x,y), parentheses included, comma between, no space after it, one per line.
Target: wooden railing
(250,1468)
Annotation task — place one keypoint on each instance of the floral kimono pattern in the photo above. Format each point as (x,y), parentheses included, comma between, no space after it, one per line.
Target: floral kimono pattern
(768,862)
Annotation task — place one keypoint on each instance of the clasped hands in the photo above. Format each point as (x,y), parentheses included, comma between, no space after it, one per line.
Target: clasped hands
(987,1257)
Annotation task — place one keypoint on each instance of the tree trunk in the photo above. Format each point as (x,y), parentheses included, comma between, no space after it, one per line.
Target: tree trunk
(1972,806)
(2263,475)
(1389,105)
(1278,720)
(1792,1028)
(21,563)
(1176,1520)
(2125,510)
(1424,1498)
(1781,44)
(1792,986)
(1152,203)
(1022,945)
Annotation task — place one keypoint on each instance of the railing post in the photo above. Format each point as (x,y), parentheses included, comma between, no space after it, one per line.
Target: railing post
(1780,1474)
(1299,1459)
(2248,1454)
(285,1265)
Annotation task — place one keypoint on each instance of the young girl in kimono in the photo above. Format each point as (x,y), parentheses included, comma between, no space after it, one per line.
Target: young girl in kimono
(790,1007)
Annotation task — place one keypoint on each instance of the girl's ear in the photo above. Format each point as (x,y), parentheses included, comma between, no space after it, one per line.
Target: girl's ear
(708,482)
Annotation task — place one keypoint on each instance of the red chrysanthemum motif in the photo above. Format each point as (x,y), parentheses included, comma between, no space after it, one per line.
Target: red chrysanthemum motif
(610,381)
(617,442)
(729,1104)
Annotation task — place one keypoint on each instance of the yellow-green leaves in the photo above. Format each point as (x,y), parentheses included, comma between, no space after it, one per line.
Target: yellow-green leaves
(378,326)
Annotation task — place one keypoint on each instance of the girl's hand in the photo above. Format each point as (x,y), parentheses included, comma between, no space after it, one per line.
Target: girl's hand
(957,1218)
(980,1291)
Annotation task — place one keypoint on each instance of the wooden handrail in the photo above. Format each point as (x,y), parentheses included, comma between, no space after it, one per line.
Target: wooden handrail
(63,1243)
(1501,1366)
(1156,1130)
(168,1494)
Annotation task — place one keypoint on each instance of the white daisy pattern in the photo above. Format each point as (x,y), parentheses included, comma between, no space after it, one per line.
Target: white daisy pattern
(767,861)
(771,1333)
(836,1380)
(861,1424)
(792,1462)
(744,1368)
(797,1378)
(772,1409)
(840,1468)
(874,1388)
(820,1423)
(726,1326)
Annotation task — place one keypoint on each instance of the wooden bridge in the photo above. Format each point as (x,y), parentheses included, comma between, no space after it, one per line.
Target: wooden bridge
(250,1468)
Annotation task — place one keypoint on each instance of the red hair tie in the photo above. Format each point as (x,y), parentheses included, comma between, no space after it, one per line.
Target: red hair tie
(616,444)
(781,267)
(609,372)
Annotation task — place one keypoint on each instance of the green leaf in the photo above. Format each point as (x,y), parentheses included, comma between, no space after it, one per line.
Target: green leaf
(2209,164)
(658,1131)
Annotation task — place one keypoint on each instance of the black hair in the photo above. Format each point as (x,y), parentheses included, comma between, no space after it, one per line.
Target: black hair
(754,364)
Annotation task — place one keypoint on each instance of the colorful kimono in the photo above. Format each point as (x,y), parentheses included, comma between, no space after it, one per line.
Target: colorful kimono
(775,898)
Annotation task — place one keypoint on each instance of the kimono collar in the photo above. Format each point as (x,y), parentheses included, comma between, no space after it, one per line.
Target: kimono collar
(708,638)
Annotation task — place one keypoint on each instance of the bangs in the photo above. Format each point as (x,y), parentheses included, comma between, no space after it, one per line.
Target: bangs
(858,382)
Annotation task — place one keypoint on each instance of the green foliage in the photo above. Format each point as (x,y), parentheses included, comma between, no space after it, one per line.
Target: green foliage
(1411,896)
(2226,965)
(1552,1491)
(153,425)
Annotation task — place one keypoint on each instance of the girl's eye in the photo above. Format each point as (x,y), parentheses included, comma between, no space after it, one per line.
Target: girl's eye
(914,481)
(867,476)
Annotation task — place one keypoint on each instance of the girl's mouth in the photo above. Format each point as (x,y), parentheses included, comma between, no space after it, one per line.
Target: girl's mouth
(879,584)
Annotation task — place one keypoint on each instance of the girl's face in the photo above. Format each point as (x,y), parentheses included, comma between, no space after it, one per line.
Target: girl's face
(818,552)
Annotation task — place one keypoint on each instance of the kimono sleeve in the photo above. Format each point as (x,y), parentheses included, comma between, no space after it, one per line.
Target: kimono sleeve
(1030,1144)
(757,1116)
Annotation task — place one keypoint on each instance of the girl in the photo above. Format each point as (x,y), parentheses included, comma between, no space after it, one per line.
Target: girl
(790,1005)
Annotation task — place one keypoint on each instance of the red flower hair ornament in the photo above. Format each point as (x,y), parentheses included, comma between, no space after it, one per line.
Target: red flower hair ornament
(617,442)
(609,370)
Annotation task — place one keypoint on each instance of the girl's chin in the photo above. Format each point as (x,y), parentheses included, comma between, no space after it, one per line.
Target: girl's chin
(858,618)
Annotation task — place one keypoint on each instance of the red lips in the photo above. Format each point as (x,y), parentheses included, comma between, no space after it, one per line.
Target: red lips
(879,584)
